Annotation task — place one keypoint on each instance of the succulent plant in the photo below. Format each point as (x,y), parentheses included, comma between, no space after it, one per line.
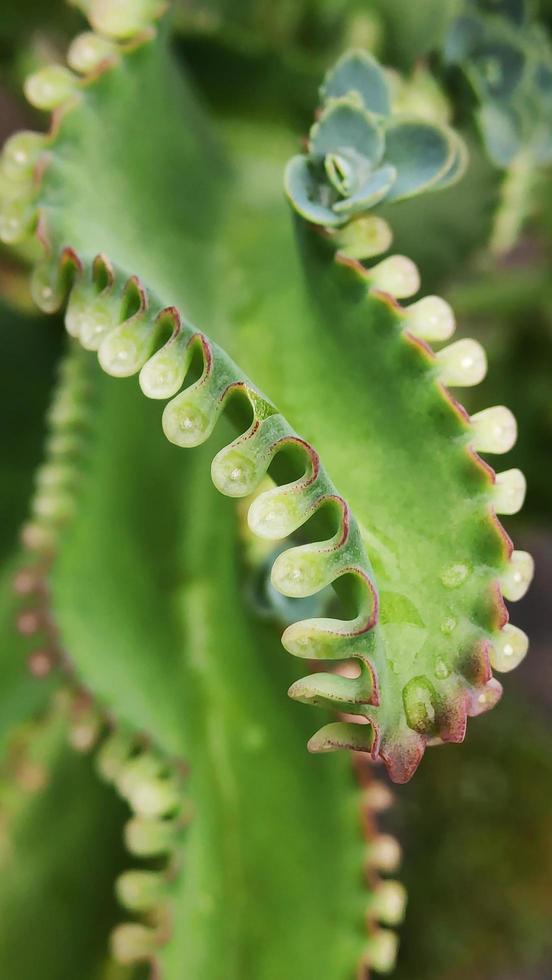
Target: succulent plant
(178,261)
(506,55)
(507,58)
(360,153)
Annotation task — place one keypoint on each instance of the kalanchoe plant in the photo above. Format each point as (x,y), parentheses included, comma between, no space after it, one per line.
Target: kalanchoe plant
(360,477)
(507,57)
(360,153)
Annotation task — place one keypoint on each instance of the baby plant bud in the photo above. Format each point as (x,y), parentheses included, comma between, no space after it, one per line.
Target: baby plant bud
(20,154)
(430,318)
(509,648)
(146,837)
(462,364)
(518,576)
(50,87)
(494,430)
(388,903)
(140,891)
(132,942)
(381,951)
(384,853)
(364,237)
(509,491)
(88,51)
(397,275)
(123,18)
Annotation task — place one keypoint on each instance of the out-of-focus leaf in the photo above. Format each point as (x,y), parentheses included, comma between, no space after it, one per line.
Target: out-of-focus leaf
(60,848)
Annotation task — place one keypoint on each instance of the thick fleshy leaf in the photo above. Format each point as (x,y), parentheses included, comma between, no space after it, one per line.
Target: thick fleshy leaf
(344,124)
(457,165)
(303,190)
(507,58)
(501,132)
(373,190)
(358,72)
(21,695)
(496,69)
(346,171)
(349,376)
(60,848)
(422,154)
(461,39)
(169,628)
(388,401)
(157,571)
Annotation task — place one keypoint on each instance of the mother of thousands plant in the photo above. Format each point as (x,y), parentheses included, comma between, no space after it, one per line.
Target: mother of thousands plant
(271,325)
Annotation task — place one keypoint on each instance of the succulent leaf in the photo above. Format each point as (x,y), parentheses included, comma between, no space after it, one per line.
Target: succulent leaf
(403,416)
(502,129)
(22,697)
(357,158)
(302,186)
(408,639)
(507,59)
(376,186)
(421,153)
(369,514)
(65,892)
(226,852)
(358,73)
(343,124)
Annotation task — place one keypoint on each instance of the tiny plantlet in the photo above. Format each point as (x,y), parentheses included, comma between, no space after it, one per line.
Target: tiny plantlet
(255,449)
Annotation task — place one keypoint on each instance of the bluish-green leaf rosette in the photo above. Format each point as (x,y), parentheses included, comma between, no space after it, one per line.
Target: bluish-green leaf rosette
(360,154)
(507,59)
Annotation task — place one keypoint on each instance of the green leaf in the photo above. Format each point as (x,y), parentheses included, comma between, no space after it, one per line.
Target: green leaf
(20,333)
(496,69)
(508,62)
(421,153)
(61,844)
(543,79)
(373,190)
(348,375)
(176,650)
(458,164)
(501,131)
(461,40)
(457,223)
(348,335)
(148,586)
(22,695)
(302,187)
(184,223)
(241,732)
(358,72)
(343,124)
(118,556)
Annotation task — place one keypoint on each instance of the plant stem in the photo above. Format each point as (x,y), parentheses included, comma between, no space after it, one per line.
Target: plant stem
(515,205)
